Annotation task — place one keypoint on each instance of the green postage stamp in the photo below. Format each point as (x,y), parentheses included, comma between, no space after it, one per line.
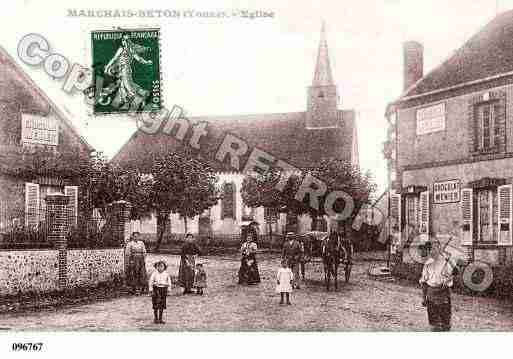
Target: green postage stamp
(126,70)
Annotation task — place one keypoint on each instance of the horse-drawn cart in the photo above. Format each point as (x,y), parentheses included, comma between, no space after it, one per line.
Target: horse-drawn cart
(333,249)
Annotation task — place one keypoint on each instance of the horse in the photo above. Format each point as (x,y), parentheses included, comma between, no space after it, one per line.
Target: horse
(333,250)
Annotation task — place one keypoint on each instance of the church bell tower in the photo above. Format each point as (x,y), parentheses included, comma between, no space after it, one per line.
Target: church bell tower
(322,103)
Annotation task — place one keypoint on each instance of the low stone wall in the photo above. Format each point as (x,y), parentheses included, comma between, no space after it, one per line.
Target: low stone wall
(38,270)
(29,271)
(88,267)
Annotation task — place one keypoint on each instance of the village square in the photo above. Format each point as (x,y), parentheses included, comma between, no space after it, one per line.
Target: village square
(263,221)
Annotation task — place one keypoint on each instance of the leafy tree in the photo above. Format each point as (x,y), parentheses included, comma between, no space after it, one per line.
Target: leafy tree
(340,175)
(260,190)
(337,175)
(102,183)
(179,183)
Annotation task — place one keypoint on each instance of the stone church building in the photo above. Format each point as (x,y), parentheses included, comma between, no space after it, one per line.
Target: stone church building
(301,139)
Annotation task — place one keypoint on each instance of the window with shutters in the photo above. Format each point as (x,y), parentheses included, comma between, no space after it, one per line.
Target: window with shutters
(487,216)
(32,211)
(46,190)
(395,212)
(228,209)
(489,127)
(505,193)
(411,216)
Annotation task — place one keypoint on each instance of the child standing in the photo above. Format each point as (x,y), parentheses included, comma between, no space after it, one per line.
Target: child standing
(158,285)
(200,279)
(284,280)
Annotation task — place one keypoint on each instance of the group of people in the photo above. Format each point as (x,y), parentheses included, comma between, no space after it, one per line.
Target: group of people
(287,277)
(191,274)
(436,279)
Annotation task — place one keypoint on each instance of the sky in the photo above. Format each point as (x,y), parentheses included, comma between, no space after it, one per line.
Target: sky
(262,65)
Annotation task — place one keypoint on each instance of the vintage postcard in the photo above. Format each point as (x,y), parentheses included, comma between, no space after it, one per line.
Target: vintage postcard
(264,167)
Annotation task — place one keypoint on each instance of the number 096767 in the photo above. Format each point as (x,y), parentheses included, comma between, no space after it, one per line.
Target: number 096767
(27,347)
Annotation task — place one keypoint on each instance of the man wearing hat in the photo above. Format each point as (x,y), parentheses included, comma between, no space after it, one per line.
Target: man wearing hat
(292,255)
(436,281)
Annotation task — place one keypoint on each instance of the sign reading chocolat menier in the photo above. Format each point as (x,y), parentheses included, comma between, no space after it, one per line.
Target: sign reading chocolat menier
(446,191)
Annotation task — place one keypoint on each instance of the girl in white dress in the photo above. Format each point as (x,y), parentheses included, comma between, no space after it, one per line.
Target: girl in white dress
(284,279)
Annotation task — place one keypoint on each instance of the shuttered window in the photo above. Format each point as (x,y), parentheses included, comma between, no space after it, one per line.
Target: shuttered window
(489,129)
(395,212)
(72,192)
(31,205)
(467,216)
(424,215)
(505,215)
(487,215)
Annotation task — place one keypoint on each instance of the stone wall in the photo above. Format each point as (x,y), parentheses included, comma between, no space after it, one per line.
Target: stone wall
(38,270)
(29,271)
(88,267)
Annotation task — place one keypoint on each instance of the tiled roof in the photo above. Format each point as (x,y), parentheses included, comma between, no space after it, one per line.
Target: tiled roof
(488,53)
(282,135)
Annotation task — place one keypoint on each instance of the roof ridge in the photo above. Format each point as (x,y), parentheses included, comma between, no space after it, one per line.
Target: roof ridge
(406,93)
(247,115)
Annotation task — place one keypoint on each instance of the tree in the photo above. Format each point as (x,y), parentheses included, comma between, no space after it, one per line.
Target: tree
(259,190)
(179,183)
(338,175)
(102,183)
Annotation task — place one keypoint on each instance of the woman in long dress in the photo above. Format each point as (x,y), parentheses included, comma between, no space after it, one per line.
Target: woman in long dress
(248,272)
(187,264)
(120,67)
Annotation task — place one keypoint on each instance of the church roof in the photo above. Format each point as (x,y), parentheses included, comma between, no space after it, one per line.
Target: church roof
(487,54)
(322,74)
(283,135)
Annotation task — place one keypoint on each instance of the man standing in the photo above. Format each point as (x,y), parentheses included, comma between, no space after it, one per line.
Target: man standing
(136,256)
(292,255)
(436,281)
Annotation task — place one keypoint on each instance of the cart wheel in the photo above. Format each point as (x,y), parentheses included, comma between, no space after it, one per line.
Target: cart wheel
(347,271)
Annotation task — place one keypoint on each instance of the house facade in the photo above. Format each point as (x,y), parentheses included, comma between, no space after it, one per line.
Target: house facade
(301,139)
(31,126)
(450,148)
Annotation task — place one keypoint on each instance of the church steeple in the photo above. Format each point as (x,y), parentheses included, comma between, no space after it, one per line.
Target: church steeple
(322,75)
(322,104)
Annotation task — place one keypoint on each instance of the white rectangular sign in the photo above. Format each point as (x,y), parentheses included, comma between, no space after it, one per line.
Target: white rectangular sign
(431,119)
(446,191)
(39,130)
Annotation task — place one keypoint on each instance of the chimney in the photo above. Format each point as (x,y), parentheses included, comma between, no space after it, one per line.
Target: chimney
(413,62)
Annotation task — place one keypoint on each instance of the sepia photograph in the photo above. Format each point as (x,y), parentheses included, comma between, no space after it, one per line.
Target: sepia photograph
(246,178)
